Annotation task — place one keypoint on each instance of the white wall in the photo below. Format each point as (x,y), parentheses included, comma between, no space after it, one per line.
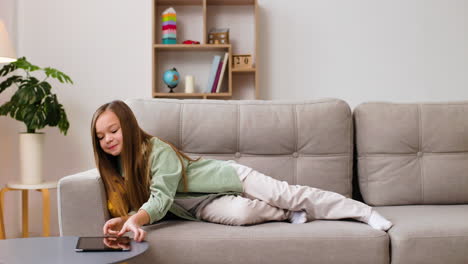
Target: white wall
(396,50)
(393,50)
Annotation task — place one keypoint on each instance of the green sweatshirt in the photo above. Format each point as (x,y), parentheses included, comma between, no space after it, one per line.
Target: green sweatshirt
(205,176)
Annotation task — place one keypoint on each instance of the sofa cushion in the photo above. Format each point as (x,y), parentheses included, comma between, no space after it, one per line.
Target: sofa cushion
(412,153)
(302,142)
(274,242)
(428,233)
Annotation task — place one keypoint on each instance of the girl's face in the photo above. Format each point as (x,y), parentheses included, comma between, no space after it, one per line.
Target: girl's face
(109,133)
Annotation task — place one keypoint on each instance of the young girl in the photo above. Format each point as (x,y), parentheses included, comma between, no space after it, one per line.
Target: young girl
(145,177)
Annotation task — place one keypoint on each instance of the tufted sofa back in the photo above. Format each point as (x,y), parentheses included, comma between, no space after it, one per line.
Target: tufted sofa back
(307,143)
(412,153)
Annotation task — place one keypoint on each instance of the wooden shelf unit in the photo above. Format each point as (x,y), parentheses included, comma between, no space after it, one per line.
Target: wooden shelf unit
(164,54)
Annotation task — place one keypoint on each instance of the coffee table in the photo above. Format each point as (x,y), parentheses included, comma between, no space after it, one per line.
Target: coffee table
(60,250)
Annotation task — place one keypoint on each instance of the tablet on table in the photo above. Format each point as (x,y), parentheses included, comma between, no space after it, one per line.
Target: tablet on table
(86,244)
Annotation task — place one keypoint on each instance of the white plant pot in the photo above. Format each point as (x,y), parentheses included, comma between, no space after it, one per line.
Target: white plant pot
(31,157)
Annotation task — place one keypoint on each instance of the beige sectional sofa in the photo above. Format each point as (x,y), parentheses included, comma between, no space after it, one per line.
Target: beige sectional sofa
(411,163)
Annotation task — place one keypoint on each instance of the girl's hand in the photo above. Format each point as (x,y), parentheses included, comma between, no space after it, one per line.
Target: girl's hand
(113,242)
(132,225)
(112,226)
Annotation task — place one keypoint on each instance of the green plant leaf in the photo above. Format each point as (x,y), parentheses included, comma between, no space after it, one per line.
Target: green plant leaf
(63,124)
(22,63)
(27,92)
(56,74)
(30,81)
(45,86)
(52,110)
(33,117)
(9,82)
(25,95)
(49,71)
(6,108)
(7,69)
(22,115)
(40,94)
(67,78)
(12,109)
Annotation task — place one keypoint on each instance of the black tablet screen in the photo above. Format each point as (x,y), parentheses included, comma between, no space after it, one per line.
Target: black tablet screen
(103,244)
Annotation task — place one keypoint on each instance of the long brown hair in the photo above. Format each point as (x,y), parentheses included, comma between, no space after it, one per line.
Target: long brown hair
(134,189)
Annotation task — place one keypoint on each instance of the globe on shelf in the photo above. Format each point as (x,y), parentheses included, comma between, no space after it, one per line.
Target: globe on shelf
(171,78)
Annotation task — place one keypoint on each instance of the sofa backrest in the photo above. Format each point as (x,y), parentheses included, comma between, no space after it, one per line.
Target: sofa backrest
(412,153)
(306,142)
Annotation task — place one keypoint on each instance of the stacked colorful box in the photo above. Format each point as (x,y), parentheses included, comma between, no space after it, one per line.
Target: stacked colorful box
(169,26)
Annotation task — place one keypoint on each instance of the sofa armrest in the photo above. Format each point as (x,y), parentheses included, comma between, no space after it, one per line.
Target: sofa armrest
(82,206)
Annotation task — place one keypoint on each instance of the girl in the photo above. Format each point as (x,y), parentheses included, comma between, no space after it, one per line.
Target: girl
(145,177)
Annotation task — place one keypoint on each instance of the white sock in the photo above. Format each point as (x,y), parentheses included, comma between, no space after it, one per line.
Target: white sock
(298,217)
(377,221)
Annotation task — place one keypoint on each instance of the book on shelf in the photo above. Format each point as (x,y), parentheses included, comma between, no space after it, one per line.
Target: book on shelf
(212,76)
(218,72)
(223,69)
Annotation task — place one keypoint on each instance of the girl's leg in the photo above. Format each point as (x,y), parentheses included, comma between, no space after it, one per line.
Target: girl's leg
(318,204)
(238,210)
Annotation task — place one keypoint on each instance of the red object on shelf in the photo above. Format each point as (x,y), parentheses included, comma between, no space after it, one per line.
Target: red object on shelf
(169,27)
(190,42)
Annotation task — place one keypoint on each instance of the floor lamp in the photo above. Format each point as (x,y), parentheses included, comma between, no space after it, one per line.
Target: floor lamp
(7,55)
(7,52)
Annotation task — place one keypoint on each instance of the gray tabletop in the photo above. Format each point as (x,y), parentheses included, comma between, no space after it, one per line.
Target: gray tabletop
(60,250)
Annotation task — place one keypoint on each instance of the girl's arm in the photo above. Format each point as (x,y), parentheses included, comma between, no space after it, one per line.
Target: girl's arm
(166,173)
(140,218)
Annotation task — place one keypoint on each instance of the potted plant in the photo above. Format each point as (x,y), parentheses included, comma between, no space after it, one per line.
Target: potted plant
(36,106)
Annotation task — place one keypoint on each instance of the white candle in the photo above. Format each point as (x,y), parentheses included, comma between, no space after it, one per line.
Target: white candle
(189,84)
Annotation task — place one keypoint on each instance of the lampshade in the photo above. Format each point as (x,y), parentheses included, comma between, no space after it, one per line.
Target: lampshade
(7,52)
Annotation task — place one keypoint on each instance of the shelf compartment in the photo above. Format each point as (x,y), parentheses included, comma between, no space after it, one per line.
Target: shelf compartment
(190,21)
(195,61)
(241,23)
(245,86)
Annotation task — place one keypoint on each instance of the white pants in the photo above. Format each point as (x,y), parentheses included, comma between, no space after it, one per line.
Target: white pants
(267,199)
